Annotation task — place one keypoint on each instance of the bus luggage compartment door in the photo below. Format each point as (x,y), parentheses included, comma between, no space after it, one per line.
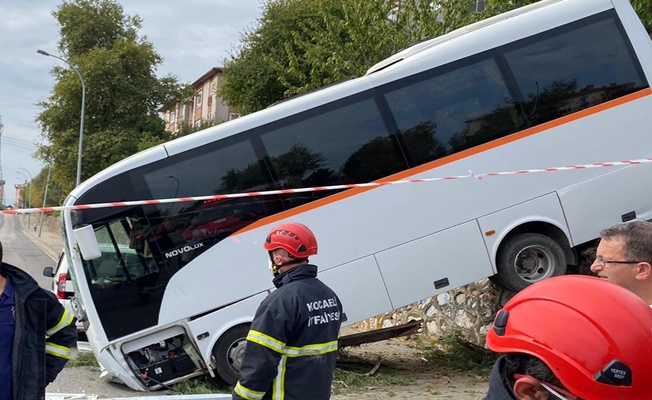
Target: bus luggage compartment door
(607,200)
(413,270)
(359,286)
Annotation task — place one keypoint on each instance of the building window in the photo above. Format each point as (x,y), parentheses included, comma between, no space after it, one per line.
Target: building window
(172,117)
(198,102)
(197,123)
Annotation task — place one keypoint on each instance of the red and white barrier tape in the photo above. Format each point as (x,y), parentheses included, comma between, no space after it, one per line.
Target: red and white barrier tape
(323,188)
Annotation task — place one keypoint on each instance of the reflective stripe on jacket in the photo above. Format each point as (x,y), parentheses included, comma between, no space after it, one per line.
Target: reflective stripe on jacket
(292,345)
(44,334)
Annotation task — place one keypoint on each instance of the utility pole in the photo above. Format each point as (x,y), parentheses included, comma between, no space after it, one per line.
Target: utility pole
(45,196)
(2,180)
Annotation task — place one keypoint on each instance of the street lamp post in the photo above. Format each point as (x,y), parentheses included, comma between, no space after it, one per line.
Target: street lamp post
(81,121)
(28,197)
(31,183)
(45,196)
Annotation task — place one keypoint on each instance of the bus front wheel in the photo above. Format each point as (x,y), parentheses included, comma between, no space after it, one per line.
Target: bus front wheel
(229,352)
(526,258)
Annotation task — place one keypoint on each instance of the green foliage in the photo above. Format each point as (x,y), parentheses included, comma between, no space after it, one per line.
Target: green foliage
(189,129)
(36,189)
(123,94)
(87,24)
(201,385)
(452,354)
(301,45)
(644,10)
(83,360)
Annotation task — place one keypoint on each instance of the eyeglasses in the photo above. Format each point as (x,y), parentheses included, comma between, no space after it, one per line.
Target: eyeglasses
(558,392)
(602,262)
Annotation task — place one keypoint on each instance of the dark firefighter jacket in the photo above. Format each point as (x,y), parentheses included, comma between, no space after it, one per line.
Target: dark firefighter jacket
(498,389)
(292,343)
(44,334)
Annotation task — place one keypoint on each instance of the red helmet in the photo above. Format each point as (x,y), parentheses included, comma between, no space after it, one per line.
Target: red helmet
(293,237)
(595,336)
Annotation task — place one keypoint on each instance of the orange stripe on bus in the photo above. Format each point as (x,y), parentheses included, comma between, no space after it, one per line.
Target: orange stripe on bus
(452,158)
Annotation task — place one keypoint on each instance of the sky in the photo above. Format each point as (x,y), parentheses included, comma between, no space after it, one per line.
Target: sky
(192,36)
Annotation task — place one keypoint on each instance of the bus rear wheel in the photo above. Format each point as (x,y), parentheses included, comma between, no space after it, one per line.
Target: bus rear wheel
(526,258)
(229,352)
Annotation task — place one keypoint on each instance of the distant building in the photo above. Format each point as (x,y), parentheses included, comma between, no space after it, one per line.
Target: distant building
(20,188)
(206,106)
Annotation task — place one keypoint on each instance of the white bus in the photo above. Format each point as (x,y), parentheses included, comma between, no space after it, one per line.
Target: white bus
(560,82)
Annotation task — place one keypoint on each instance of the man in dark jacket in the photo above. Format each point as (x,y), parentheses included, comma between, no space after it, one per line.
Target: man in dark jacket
(36,334)
(292,345)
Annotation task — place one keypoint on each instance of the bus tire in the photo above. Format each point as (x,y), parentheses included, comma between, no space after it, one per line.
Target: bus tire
(228,353)
(526,258)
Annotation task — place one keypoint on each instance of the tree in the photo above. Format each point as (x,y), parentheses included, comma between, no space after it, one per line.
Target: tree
(123,94)
(252,76)
(301,45)
(644,10)
(38,186)
(187,129)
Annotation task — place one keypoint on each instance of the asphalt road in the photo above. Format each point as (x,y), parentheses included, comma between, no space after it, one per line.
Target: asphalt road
(20,251)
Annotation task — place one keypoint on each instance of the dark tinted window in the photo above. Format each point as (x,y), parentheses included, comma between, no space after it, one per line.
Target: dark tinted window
(573,68)
(474,101)
(228,166)
(336,144)
(451,109)
(126,283)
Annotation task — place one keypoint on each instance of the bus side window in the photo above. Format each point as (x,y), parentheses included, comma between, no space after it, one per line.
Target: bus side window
(342,142)
(451,108)
(553,87)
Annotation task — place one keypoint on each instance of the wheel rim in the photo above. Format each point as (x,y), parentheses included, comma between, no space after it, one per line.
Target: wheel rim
(235,354)
(534,263)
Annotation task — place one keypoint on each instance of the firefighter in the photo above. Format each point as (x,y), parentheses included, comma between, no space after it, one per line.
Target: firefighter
(36,334)
(572,337)
(293,341)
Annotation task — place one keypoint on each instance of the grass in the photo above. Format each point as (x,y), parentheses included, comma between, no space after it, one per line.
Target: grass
(83,360)
(453,355)
(200,385)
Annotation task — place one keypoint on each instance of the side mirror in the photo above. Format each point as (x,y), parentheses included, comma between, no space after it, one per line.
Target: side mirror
(87,242)
(49,272)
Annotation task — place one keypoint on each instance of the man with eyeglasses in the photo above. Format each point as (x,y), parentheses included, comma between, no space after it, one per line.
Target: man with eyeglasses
(572,337)
(624,257)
